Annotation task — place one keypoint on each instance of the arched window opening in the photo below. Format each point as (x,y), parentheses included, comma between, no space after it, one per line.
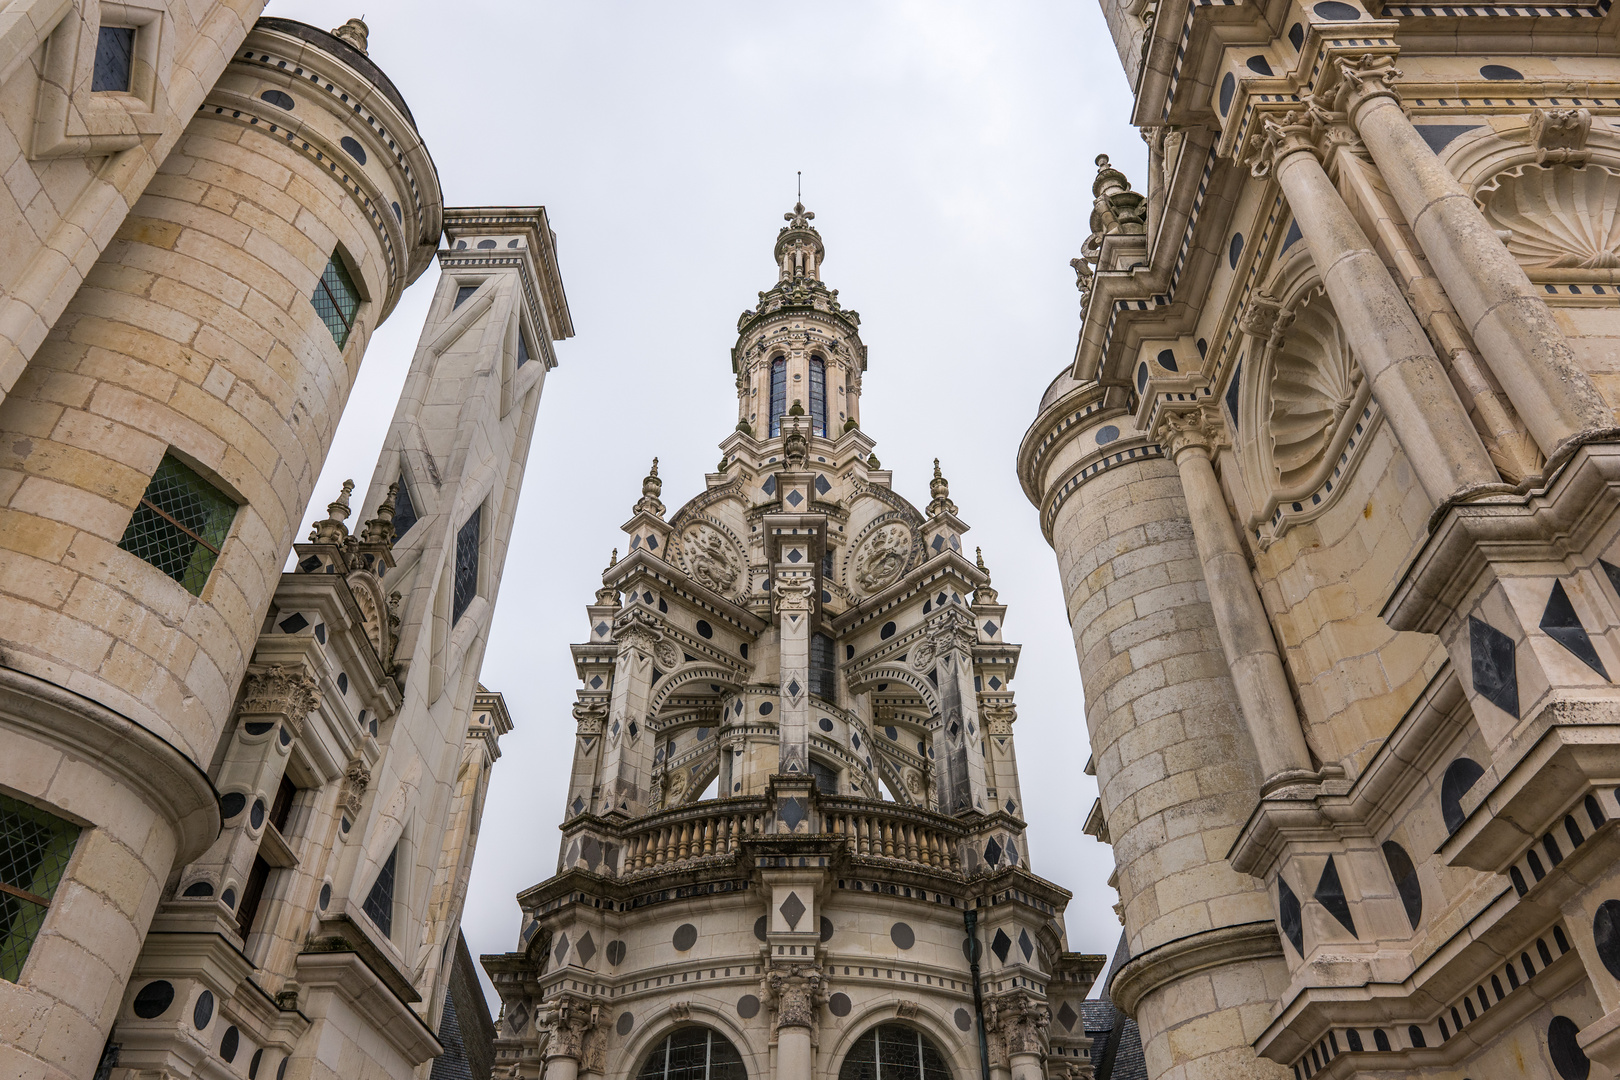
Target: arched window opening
(1460,776)
(694,1053)
(818,395)
(894,1052)
(825,776)
(778,394)
(822,679)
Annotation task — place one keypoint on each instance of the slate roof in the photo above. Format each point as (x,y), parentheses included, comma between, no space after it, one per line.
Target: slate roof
(1116,1050)
(466,1030)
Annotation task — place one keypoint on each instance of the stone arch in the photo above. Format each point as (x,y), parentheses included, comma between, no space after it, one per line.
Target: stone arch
(698,672)
(883,673)
(649,1032)
(959,1049)
(372,600)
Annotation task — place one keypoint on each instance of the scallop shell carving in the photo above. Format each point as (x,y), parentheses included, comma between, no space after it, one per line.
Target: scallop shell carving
(1315,381)
(1556,218)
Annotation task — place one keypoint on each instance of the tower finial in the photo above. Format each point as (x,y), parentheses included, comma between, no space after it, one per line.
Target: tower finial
(332,530)
(651,488)
(940,489)
(984,594)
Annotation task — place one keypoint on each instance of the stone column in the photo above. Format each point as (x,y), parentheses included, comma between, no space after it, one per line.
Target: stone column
(960,740)
(1405,375)
(1022,1021)
(1240,617)
(796,991)
(627,757)
(1508,320)
(793,593)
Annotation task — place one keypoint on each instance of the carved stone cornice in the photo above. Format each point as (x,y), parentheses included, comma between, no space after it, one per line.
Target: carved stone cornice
(796,991)
(1175,960)
(277,690)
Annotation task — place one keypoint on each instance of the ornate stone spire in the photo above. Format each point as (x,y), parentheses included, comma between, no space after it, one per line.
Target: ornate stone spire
(332,530)
(355,32)
(984,594)
(651,488)
(380,529)
(799,249)
(608,596)
(940,489)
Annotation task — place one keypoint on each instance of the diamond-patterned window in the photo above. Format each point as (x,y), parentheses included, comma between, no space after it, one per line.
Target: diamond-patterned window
(379,905)
(778,394)
(115,59)
(818,395)
(180,525)
(693,1053)
(894,1052)
(34,851)
(466,565)
(336,300)
(404,508)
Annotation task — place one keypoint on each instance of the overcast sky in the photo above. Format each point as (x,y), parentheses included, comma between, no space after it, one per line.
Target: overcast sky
(947,152)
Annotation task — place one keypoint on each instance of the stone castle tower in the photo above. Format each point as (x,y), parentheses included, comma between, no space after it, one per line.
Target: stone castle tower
(238,806)
(794,793)
(1333,481)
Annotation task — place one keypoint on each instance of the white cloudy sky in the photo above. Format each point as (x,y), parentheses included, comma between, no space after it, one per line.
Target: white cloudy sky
(947,151)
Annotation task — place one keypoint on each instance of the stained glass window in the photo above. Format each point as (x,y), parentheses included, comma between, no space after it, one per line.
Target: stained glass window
(336,300)
(34,851)
(379,905)
(180,525)
(693,1053)
(115,59)
(818,395)
(894,1052)
(778,394)
(404,508)
(466,565)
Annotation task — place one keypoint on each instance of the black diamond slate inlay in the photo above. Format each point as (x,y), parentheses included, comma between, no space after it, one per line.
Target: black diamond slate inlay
(310,565)
(602,629)
(1330,894)
(578,805)
(794,556)
(1496,678)
(769,486)
(792,910)
(939,543)
(596,682)
(1560,623)
(822,487)
(793,688)
(1613,573)
(1067,1016)
(791,812)
(293,623)
(1011,807)
(1288,914)
(1001,945)
(1025,946)
(794,498)
(561,950)
(990,629)
(992,855)
(587,948)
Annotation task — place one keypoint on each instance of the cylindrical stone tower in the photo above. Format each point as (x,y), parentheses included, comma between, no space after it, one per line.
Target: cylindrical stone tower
(1175,765)
(155,459)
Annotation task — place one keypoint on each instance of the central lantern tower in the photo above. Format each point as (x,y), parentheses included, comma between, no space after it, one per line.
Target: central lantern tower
(794,801)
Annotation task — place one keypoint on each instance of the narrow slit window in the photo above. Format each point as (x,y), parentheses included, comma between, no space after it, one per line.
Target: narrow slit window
(466,565)
(379,905)
(462,295)
(404,508)
(818,395)
(336,300)
(822,680)
(115,59)
(523,349)
(34,851)
(247,912)
(778,394)
(180,525)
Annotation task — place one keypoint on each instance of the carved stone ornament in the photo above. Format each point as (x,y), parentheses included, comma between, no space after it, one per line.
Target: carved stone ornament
(998,719)
(1299,129)
(922,657)
(1196,429)
(712,559)
(1021,1021)
(1556,217)
(793,595)
(651,488)
(277,690)
(1559,135)
(881,558)
(952,629)
(913,781)
(667,655)
(1362,78)
(356,778)
(906,1010)
(590,717)
(795,991)
(1259,317)
(578,1030)
(636,629)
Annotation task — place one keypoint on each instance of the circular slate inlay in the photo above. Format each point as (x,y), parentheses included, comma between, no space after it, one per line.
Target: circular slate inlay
(326,895)
(827,928)
(352,147)
(888,631)
(839,1004)
(204,1012)
(964,1020)
(748,1006)
(1567,1056)
(759,928)
(1606,934)
(625,1022)
(231,804)
(253,1065)
(765,708)
(229,1044)
(1228,88)
(1500,73)
(1335,11)
(902,936)
(704,629)
(825,724)
(154,999)
(1107,434)
(256,815)
(615,953)
(281,100)
(685,937)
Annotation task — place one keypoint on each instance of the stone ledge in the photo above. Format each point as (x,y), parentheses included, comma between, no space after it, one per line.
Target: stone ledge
(1176,960)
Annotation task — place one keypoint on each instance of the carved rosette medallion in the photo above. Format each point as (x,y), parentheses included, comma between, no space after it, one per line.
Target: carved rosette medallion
(667,655)
(713,559)
(880,558)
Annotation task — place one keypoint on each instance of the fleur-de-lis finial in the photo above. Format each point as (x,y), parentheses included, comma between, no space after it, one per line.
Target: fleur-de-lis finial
(799,217)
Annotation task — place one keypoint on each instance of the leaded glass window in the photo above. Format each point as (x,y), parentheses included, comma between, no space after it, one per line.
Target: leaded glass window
(379,905)
(822,681)
(894,1052)
(778,394)
(693,1053)
(115,59)
(336,300)
(466,565)
(179,525)
(34,851)
(404,508)
(818,395)
(825,776)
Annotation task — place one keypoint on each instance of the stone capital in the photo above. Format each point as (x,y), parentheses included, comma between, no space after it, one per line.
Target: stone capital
(356,778)
(951,629)
(796,990)
(278,690)
(1559,135)
(1362,79)
(1197,430)
(1298,131)
(590,717)
(1020,1021)
(793,596)
(636,629)
(577,1029)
